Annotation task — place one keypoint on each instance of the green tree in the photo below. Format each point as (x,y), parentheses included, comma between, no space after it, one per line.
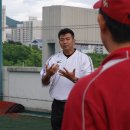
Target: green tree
(97,58)
(19,55)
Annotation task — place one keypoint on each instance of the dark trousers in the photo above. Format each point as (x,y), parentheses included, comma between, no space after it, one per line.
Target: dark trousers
(57,114)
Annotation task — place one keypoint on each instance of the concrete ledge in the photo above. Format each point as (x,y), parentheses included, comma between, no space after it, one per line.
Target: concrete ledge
(37,110)
(24,69)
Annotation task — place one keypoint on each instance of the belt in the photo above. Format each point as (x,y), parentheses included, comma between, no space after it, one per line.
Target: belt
(62,101)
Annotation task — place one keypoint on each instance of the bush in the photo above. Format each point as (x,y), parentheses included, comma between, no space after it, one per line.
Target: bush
(97,58)
(21,55)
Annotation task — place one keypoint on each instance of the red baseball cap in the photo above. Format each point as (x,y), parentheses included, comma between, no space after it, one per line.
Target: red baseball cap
(118,10)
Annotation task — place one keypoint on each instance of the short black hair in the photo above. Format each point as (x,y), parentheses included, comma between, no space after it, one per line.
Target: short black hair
(120,32)
(65,31)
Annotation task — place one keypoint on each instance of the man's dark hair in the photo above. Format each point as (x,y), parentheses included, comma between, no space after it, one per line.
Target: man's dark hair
(120,32)
(65,31)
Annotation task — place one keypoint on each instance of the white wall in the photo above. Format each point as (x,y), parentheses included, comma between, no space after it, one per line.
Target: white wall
(23,85)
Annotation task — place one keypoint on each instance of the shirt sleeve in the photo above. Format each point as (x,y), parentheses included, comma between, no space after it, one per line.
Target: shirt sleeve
(87,66)
(43,70)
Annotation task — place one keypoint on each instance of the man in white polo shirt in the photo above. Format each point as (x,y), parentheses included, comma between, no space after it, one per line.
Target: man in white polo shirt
(61,71)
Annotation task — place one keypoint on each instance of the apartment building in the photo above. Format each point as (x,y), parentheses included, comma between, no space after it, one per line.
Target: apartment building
(27,31)
(24,32)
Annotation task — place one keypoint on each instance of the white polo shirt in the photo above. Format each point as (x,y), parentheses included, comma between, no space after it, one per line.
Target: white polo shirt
(60,86)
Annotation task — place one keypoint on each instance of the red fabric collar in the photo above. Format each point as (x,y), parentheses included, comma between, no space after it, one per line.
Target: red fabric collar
(118,54)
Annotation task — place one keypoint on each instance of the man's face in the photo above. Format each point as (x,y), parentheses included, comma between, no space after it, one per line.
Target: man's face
(67,42)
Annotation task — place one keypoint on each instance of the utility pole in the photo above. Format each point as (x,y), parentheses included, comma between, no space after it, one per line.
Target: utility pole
(1,56)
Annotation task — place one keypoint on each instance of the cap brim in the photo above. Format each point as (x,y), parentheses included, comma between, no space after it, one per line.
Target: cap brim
(97,4)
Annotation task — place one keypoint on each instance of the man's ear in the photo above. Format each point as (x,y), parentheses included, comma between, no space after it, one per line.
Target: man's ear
(102,23)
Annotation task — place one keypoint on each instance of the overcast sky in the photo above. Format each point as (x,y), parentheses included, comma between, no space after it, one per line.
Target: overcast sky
(22,9)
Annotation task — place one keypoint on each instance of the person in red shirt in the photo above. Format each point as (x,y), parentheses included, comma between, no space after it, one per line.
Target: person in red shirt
(100,101)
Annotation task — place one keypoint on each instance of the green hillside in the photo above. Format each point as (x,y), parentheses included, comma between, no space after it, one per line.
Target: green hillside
(11,22)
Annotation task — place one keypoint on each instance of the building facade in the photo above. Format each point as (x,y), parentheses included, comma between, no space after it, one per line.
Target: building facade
(27,31)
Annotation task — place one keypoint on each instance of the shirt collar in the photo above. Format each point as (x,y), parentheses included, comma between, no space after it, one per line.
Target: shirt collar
(117,54)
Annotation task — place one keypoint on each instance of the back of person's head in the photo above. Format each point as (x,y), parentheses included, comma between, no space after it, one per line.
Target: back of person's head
(65,31)
(117,16)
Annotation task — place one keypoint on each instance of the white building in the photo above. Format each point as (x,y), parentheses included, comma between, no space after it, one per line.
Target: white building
(3,23)
(24,32)
(82,21)
(28,31)
(37,29)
